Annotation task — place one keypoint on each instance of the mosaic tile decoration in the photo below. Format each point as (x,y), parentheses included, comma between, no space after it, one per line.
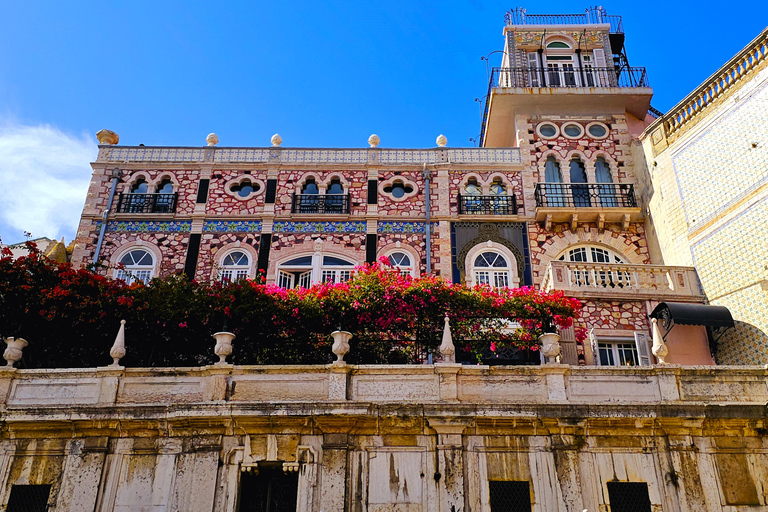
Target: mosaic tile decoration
(319,227)
(223,226)
(719,166)
(146,226)
(731,261)
(403,227)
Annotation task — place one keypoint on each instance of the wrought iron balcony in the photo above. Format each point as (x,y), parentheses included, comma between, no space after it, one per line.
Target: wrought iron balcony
(487,205)
(570,76)
(322,204)
(585,195)
(147,203)
(620,280)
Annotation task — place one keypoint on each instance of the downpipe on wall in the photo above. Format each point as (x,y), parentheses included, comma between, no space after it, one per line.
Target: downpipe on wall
(116,175)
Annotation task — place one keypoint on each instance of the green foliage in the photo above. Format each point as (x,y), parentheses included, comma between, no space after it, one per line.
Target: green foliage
(70,317)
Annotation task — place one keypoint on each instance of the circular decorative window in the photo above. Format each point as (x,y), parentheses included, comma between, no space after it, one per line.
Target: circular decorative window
(243,188)
(597,130)
(398,190)
(547,130)
(573,130)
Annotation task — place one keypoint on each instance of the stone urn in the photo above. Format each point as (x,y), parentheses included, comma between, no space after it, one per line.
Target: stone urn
(550,346)
(340,345)
(223,346)
(13,353)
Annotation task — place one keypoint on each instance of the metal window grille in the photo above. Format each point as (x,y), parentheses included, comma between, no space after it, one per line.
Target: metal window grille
(510,496)
(147,203)
(29,498)
(629,497)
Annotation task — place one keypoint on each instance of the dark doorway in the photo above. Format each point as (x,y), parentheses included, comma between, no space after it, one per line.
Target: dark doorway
(271,490)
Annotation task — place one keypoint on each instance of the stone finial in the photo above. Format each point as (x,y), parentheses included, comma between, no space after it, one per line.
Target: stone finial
(374,140)
(13,353)
(659,348)
(117,351)
(276,140)
(447,349)
(212,139)
(223,346)
(441,140)
(107,137)
(340,346)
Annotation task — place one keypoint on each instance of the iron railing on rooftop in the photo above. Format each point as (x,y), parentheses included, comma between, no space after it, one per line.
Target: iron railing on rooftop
(585,195)
(591,16)
(569,76)
(147,203)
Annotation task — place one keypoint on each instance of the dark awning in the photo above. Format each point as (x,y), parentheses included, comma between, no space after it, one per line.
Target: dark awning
(693,314)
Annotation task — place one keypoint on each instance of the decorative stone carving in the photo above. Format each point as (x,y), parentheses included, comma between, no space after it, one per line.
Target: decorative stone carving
(374,140)
(340,345)
(212,139)
(223,346)
(659,348)
(550,346)
(13,353)
(117,351)
(447,349)
(441,140)
(276,140)
(107,137)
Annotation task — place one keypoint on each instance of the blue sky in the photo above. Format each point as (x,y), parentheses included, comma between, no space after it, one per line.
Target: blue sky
(320,74)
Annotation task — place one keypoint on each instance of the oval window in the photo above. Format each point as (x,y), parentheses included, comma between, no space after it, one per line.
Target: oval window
(572,130)
(547,130)
(597,130)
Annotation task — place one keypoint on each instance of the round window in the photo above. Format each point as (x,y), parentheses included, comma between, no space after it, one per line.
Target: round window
(597,131)
(573,130)
(547,130)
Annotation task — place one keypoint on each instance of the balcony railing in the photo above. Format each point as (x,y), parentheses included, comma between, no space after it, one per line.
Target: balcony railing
(571,76)
(487,205)
(585,195)
(147,203)
(313,203)
(622,280)
(591,16)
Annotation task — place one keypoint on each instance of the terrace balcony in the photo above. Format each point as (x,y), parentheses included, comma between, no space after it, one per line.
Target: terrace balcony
(618,281)
(321,204)
(147,203)
(586,202)
(487,205)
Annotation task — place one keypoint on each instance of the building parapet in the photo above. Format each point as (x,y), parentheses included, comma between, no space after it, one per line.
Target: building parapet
(713,91)
(422,384)
(276,155)
(623,281)
(591,16)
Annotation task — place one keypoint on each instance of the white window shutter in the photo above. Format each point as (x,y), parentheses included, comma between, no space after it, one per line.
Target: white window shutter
(595,349)
(600,64)
(599,55)
(643,350)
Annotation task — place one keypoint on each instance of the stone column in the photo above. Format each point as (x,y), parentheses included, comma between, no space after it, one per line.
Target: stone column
(450,462)
(81,474)
(333,472)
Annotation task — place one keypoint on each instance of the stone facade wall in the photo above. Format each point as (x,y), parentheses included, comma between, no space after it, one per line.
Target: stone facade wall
(614,315)
(211,244)
(414,206)
(172,246)
(185,183)
(221,203)
(354,181)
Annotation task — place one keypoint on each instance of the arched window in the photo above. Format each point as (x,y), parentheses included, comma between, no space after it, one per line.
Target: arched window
(235,265)
(140,187)
(491,268)
(137,265)
(580,192)
(552,172)
(164,200)
(472,188)
(555,192)
(304,271)
(589,276)
(606,192)
(310,187)
(402,262)
(165,187)
(335,187)
(498,188)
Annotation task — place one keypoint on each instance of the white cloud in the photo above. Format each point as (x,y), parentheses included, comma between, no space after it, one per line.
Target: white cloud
(44,177)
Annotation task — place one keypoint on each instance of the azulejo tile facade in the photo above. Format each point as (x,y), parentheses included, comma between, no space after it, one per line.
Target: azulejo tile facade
(319,227)
(146,226)
(223,226)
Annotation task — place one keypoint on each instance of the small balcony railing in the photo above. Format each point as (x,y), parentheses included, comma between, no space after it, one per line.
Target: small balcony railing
(592,15)
(585,195)
(487,205)
(569,76)
(322,204)
(147,203)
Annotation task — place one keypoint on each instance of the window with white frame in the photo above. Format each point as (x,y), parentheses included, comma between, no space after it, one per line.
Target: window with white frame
(589,275)
(402,261)
(621,351)
(136,265)
(304,271)
(491,268)
(235,265)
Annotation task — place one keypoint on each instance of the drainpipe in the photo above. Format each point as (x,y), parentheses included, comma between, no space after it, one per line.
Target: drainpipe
(116,175)
(540,53)
(427,175)
(578,57)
